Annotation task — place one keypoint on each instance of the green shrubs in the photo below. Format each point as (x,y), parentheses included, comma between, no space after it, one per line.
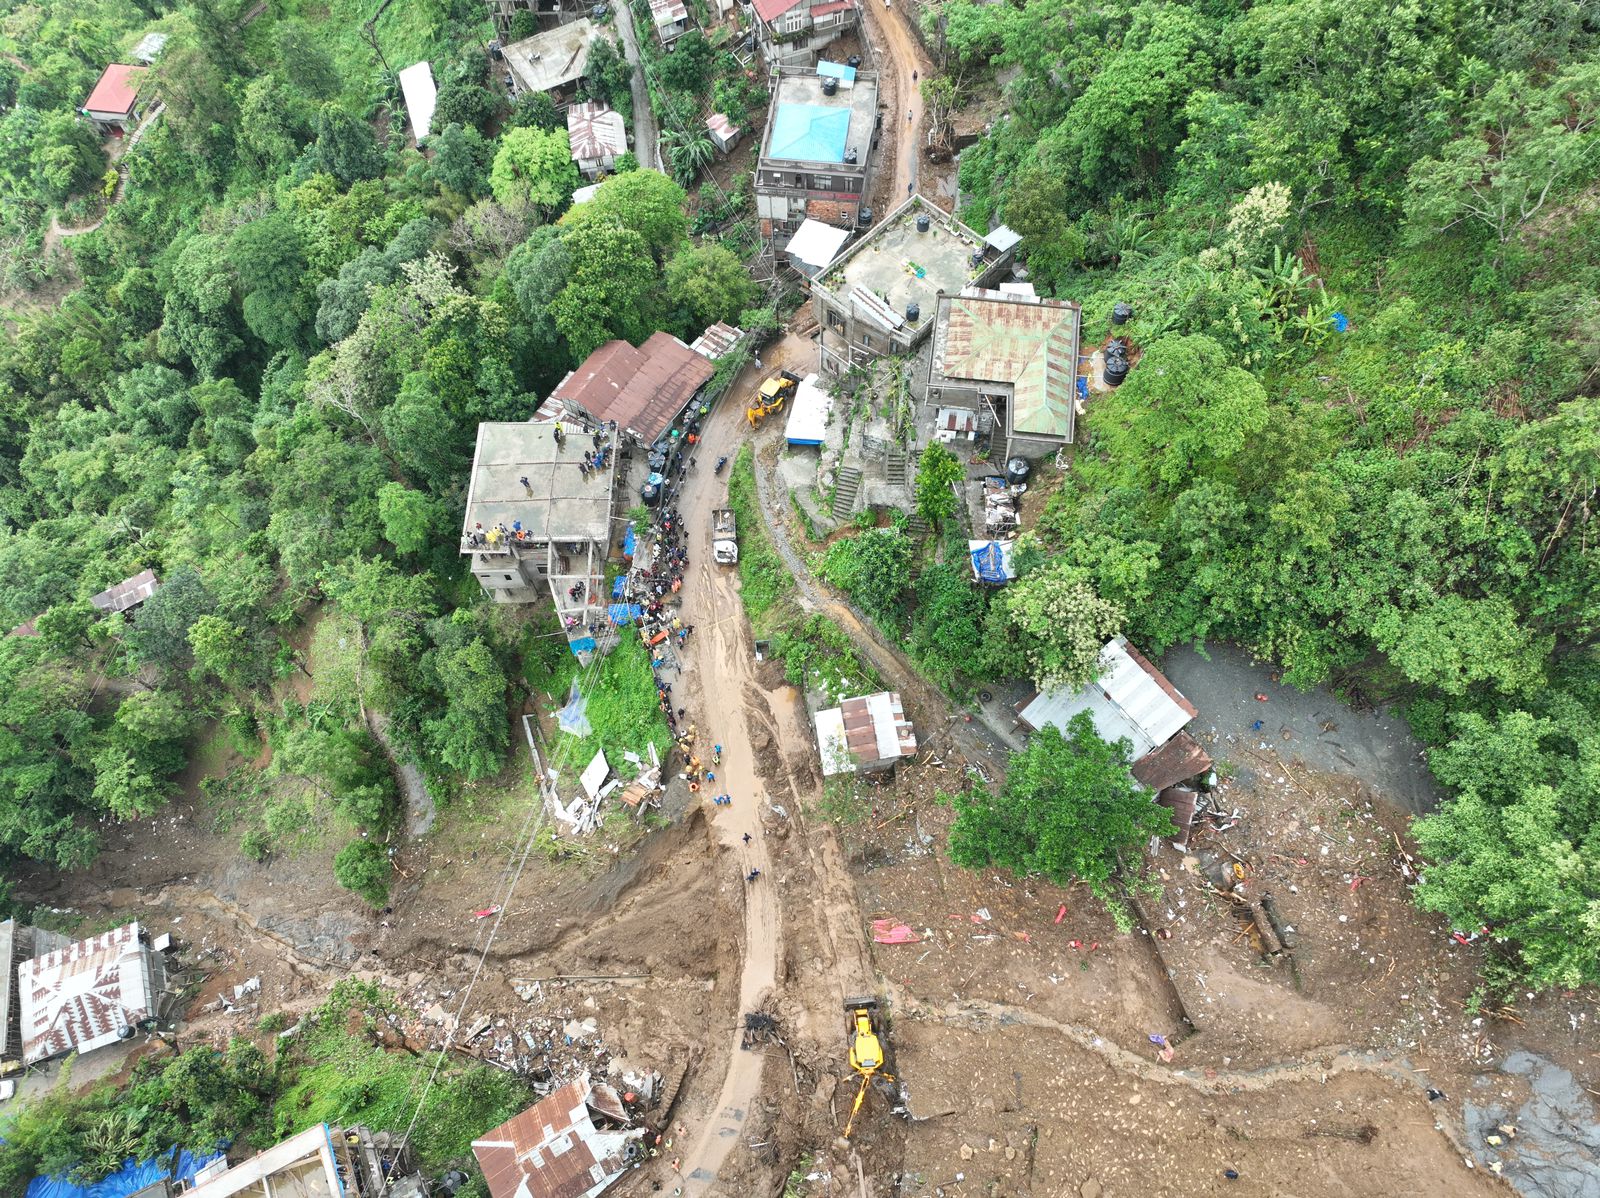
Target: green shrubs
(363,866)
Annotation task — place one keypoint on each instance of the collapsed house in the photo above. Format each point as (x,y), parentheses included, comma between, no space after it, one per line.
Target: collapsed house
(1130,700)
(868,734)
(556,1148)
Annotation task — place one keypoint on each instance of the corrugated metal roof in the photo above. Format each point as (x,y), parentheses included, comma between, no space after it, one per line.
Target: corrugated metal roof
(82,996)
(717,340)
(665,12)
(18,942)
(552,1149)
(116,90)
(1180,800)
(864,732)
(420,94)
(767,10)
(1180,759)
(642,389)
(130,592)
(1130,700)
(595,130)
(1033,345)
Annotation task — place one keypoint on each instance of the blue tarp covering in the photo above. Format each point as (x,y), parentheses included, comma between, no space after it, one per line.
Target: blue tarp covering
(624,613)
(130,1179)
(628,542)
(618,585)
(1083,388)
(989,562)
(584,644)
(809,133)
(1341,322)
(838,70)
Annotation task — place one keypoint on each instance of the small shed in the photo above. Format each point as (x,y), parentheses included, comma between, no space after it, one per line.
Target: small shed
(814,245)
(598,136)
(150,47)
(718,340)
(671,19)
(724,133)
(866,734)
(127,594)
(808,413)
(113,105)
(420,94)
(951,423)
(992,561)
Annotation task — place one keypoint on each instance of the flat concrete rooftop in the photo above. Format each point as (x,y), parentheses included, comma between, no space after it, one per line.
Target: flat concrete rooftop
(552,58)
(804,91)
(564,505)
(902,266)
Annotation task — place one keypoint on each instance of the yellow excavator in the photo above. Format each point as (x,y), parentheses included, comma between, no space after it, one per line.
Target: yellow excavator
(866,1050)
(771,396)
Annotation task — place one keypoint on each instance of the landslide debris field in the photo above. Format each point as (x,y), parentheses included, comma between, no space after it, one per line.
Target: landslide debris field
(1028,1035)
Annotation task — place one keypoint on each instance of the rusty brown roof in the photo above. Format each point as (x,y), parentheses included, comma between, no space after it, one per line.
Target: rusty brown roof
(551,1150)
(1180,759)
(642,389)
(1180,800)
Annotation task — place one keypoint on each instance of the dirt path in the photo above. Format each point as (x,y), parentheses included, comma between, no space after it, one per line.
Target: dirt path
(720,679)
(645,135)
(899,56)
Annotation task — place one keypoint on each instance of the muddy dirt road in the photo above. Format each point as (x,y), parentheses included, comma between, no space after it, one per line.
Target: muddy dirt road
(899,57)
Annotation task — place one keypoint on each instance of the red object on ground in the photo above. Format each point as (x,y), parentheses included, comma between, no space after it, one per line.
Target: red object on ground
(1061,914)
(1260,698)
(886,931)
(486,912)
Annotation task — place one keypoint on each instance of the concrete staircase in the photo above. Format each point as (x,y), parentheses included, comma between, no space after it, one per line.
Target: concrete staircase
(846,487)
(897,468)
(917,526)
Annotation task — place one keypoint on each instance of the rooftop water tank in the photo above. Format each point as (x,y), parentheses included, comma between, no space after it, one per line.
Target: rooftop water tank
(830,85)
(853,61)
(913,312)
(923,223)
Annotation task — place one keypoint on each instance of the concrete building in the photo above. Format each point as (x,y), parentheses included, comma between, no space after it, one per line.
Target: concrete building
(1130,700)
(1008,364)
(112,107)
(538,520)
(817,147)
(83,996)
(320,1162)
(671,20)
(598,137)
(552,61)
(868,734)
(792,31)
(556,1149)
(724,133)
(878,297)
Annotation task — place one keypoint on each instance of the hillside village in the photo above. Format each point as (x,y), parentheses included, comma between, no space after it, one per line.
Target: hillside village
(798,598)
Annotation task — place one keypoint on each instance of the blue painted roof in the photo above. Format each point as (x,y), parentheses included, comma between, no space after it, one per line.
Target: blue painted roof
(838,70)
(809,133)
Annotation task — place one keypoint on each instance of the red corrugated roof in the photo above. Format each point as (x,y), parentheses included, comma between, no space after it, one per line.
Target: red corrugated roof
(642,389)
(769,9)
(116,91)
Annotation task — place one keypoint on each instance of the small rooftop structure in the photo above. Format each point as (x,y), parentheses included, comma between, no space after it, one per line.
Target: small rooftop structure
(671,19)
(129,593)
(724,133)
(113,103)
(584,194)
(150,47)
(718,340)
(808,413)
(878,296)
(18,943)
(1002,238)
(554,1150)
(815,244)
(598,136)
(1028,346)
(642,390)
(1130,700)
(418,90)
(320,1162)
(866,734)
(86,995)
(553,58)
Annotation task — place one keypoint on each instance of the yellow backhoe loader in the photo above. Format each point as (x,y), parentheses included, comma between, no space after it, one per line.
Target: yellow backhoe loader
(771,397)
(866,1050)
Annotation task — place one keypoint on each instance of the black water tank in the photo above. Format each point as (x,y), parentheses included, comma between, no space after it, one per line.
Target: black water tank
(853,61)
(830,85)
(864,217)
(1017,471)
(1121,314)
(494,50)
(850,157)
(913,312)
(1116,363)
(923,222)
(650,494)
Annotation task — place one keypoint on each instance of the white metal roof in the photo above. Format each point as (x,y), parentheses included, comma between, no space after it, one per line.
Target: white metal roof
(808,413)
(416,85)
(831,741)
(1002,238)
(81,997)
(1126,702)
(816,244)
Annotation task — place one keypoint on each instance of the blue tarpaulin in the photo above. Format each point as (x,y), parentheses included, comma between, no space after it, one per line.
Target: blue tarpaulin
(1341,322)
(628,542)
(129,1179)
(624,613)
(584,644)
(618,585)
(991,561)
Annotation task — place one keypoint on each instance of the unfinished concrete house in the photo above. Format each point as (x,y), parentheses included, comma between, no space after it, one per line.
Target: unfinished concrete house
(816,149)
(538,521)
(552,61)
(877,298)
(321,1162)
